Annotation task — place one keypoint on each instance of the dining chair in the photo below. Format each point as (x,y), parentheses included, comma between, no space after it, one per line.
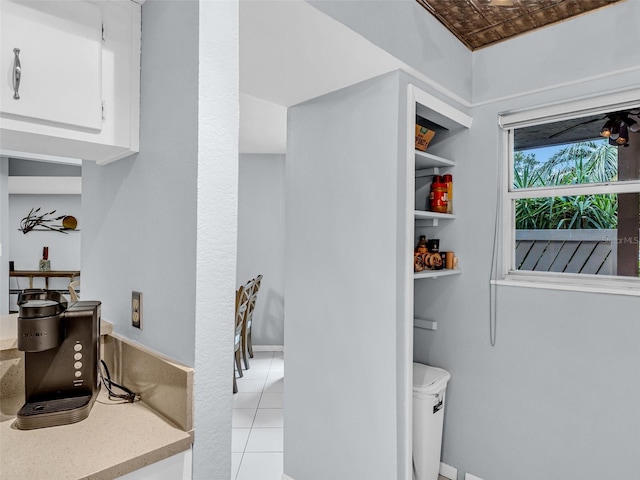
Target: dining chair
(247,342)
(248,289)
(242,302)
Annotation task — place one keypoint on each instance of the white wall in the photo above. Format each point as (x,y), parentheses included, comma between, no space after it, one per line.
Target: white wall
(25,250)
(261,230)
(411,34)
(139,214)
(64,248)
(341,271)
(573,51)
(263,129)
(164,221)
(532,406)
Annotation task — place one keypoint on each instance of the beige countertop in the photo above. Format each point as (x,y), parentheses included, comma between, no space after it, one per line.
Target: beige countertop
(115,439)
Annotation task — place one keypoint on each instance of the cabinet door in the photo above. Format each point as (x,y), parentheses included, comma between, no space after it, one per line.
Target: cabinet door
(60,57)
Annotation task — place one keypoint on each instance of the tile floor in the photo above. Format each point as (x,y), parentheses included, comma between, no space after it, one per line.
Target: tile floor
(257,425)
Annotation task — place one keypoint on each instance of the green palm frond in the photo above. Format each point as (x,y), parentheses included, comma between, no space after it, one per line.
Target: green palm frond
(579,163)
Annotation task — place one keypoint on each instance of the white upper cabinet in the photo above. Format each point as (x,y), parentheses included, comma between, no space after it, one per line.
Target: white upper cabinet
(70,78)
(52,53)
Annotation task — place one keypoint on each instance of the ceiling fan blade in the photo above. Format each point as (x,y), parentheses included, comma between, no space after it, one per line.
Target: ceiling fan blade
(576,126)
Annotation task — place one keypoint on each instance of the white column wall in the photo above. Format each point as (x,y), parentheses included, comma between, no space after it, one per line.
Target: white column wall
(164,221)
(340,282)
(217,217)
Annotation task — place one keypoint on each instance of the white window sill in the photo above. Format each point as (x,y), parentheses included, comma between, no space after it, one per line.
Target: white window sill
(630,288)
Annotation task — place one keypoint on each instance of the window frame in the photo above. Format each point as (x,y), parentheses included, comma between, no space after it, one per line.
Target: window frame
(508,122)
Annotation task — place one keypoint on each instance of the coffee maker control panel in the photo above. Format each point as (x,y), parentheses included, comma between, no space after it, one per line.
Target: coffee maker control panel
(77,356)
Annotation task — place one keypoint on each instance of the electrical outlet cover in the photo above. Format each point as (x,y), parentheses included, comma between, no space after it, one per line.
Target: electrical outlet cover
(136,309)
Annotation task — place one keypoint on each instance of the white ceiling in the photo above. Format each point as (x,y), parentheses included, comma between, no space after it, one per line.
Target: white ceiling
(289,53)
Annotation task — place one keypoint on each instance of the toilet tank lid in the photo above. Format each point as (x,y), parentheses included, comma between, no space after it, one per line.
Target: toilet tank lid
(430,380)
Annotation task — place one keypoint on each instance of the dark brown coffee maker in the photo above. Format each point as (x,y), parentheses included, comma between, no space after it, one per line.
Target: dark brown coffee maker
(62,350)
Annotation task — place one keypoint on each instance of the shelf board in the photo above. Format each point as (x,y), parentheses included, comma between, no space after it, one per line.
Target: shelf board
(424,215)
(427,160)
(430,219)
(435,273)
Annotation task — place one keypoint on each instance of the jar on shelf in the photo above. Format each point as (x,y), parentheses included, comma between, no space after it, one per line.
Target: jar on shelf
(433,261)
(448,181)
(419,254)
(438,197)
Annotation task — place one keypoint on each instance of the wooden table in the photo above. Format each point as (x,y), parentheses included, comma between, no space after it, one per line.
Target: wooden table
(31,274)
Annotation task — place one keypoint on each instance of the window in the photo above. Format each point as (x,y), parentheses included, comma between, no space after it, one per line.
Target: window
(571,201)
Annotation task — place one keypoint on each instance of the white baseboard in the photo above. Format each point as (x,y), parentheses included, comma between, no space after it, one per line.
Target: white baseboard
(448,471)
(468,476)
(445,470)
(268,348)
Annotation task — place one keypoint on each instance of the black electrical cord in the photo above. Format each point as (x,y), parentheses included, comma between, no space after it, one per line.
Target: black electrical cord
(128,395)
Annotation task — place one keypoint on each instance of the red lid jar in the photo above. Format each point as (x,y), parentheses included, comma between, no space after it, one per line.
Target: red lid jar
(438,197)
